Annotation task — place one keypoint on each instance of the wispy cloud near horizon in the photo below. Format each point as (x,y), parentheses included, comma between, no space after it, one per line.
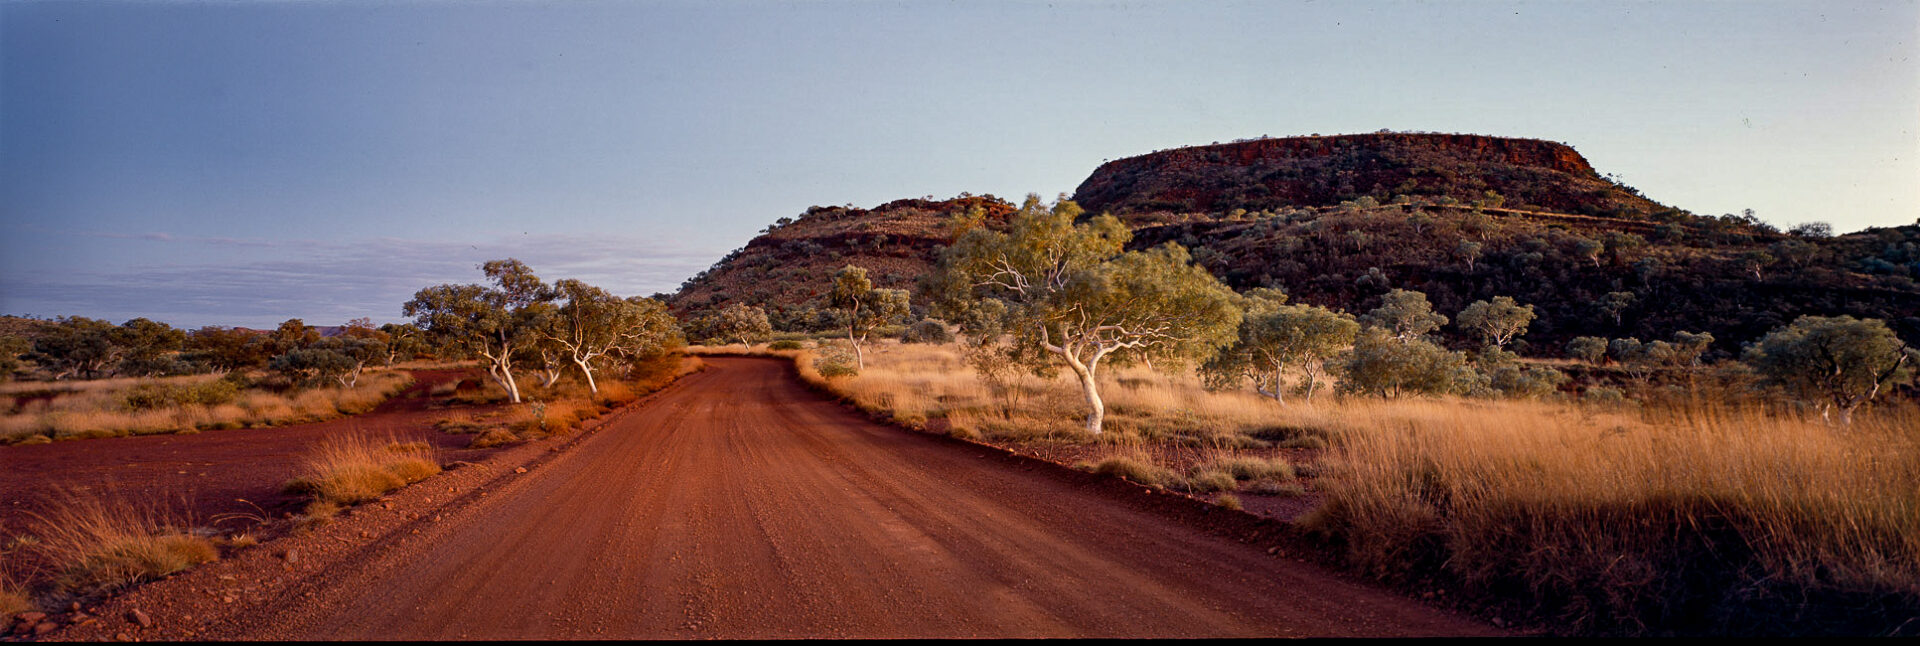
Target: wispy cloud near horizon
(262,282)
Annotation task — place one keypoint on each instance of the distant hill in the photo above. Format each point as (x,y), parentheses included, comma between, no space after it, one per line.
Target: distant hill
(1293,172)
(1338,221)
(789,268)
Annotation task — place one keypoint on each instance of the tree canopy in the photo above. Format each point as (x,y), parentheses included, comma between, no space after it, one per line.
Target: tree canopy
(1072,294)
(1839,362)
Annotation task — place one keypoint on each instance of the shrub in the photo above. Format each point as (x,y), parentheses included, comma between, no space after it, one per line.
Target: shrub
(492,438)
(835,363)
(927,331)
(786,344)
(458,424)
(1209,480)
(1228,501)
(1137,469)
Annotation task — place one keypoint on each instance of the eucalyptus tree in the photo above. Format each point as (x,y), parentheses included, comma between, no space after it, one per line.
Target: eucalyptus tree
(748,323)
(1275,337)
(591,323)
(495,322)
(1405,315)
(1840,363)
(1497,322)
(1074,296)
(863,308)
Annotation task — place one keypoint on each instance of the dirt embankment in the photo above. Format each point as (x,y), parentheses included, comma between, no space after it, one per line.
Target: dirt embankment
(739,504)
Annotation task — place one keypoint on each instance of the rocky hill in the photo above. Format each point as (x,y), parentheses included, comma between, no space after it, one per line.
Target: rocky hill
(788,269)
(1268,174)
(1339,221)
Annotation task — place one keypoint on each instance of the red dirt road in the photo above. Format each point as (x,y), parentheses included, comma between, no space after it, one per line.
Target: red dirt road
(739,504)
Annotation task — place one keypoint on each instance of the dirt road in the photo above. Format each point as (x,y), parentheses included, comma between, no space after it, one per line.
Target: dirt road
(739,504)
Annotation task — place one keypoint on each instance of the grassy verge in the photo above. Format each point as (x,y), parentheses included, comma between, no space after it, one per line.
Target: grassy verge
(1588,519)
(93,545)
(121,407)
(563,407)
(1720,521)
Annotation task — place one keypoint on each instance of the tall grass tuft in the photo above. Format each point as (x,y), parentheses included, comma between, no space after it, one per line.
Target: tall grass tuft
(99,544)
(352,469)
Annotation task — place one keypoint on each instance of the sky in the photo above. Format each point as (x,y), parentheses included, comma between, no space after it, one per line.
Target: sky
(242,163)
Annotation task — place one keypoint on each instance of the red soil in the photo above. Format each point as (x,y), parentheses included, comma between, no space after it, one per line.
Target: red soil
(207,476)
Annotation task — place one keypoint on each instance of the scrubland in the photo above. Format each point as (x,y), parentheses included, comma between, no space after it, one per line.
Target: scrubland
(1591,518)
(34,412)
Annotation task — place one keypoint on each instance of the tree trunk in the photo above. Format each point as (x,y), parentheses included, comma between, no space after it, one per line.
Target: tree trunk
(591,387)
(1097,410)
(859,357)
(503,375)
(1272,387)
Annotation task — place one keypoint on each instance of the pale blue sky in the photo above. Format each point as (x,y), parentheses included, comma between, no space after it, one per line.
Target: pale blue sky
(243,163)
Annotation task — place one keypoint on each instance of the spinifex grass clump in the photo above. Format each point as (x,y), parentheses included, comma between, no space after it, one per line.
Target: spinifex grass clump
(96,545)
(1719,521)
(353,469)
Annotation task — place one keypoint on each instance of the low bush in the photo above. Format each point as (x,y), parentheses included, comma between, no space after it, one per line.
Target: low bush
(492,438)
(786,344)
(835,363)
(354,469)
(1138,469)
(927,331)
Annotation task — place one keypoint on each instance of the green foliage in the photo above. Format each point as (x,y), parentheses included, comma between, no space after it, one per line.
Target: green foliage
(863,308)
(786,344)
(495,323)
(1274,338)
(76,346)
(744,323)
(1405,315)
(12,348)
(1590,349)
(1388,366)
(312,366)
(1074,295)
(224,348)
(1837,362)
(1496,322)
(1514,380)
(146,347)
(591,325)
(927,331)
(835,362)
(153,396)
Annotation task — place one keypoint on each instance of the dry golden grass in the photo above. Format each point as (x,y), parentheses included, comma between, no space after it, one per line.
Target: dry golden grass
(98,544)
(1607,516)
(352,469)
(1605,519)
(99,408)
(13,597)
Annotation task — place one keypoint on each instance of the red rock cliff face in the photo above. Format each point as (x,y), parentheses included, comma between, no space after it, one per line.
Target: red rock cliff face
(1320,171)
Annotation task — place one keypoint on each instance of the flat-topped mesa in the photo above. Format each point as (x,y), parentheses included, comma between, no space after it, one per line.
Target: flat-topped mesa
(1294,172)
